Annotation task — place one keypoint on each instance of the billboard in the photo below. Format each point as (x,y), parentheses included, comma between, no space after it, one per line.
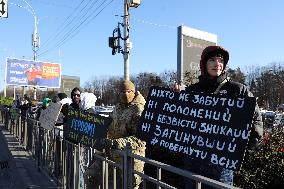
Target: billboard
(68,83)
(191,43)
(32,73)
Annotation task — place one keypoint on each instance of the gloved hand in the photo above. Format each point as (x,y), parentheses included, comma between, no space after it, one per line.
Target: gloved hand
(107,143)
(253,145)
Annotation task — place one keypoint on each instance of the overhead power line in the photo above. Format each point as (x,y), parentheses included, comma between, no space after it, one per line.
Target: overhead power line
(55,4)
(66,23)
(154,24)
(79,25)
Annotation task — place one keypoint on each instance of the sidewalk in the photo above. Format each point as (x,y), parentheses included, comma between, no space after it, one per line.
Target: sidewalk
(18,170)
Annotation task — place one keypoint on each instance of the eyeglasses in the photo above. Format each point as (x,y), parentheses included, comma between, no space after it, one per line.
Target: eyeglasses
(77,95)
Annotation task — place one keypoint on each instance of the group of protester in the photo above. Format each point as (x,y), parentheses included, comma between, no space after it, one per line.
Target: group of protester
(213,80)
(127,113)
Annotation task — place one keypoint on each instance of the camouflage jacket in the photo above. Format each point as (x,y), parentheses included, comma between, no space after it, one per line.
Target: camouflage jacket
(125,123)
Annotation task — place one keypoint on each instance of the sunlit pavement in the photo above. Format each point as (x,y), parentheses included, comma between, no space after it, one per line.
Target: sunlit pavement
(18,170)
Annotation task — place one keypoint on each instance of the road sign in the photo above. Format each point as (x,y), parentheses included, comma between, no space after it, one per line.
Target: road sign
(4,8)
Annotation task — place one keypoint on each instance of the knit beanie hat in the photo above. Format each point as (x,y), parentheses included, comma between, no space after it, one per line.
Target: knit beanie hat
(127,85)
(45,102)
(209,52)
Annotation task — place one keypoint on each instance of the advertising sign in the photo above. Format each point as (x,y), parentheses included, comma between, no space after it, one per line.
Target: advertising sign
(191,43)
(33,73)
(202,128)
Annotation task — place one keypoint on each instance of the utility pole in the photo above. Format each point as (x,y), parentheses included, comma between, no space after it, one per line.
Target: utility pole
(114,41)
(35,38)
(35,45)
(126,42)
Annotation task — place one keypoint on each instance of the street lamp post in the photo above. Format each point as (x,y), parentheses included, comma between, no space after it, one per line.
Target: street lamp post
(127,43)
(35,36)
(114,41)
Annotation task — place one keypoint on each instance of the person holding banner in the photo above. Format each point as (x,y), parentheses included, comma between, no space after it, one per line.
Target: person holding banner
(214,80)
(75,103)
(76,98)
(126,117)
(90,173)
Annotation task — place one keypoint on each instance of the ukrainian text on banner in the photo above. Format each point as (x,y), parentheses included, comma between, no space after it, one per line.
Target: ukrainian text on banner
(211,129)
(32,73)
(85,128)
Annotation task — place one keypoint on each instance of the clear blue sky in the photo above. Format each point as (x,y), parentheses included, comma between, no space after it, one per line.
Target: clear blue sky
(252,31)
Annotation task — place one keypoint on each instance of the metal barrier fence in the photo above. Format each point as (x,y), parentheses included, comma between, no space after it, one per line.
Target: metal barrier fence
(74,166)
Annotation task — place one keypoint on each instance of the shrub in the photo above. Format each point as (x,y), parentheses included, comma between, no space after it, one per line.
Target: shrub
(265,168)
(6,101)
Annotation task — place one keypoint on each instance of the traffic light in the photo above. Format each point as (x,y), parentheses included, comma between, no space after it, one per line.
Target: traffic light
(113,42)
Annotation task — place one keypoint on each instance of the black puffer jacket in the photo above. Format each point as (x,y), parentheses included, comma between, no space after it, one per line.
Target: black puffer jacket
(232,89)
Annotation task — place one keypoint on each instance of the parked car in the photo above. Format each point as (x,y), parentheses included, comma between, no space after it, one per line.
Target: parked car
(268,120)
(270,113)
(271,121)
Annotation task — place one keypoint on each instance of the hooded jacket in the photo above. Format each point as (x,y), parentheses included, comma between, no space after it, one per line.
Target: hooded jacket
(232,89)
(229,88)
(88,102)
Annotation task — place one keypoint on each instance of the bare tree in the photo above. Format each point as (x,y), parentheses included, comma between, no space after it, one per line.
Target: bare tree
(168,77)
(145,80)
(237,75)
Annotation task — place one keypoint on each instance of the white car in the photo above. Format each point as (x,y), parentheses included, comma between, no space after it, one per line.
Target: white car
(270,114)
(104,110)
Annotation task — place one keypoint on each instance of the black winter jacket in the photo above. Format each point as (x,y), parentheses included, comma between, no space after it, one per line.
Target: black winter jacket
(233,89)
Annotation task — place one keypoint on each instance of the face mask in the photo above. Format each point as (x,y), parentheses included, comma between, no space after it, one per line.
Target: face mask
(126,98)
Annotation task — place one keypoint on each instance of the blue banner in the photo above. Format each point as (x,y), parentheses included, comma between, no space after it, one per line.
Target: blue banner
(86,128)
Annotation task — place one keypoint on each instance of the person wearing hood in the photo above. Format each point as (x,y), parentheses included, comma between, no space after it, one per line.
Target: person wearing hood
(126,116)
(214,80)
(65,101)
(88,102)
